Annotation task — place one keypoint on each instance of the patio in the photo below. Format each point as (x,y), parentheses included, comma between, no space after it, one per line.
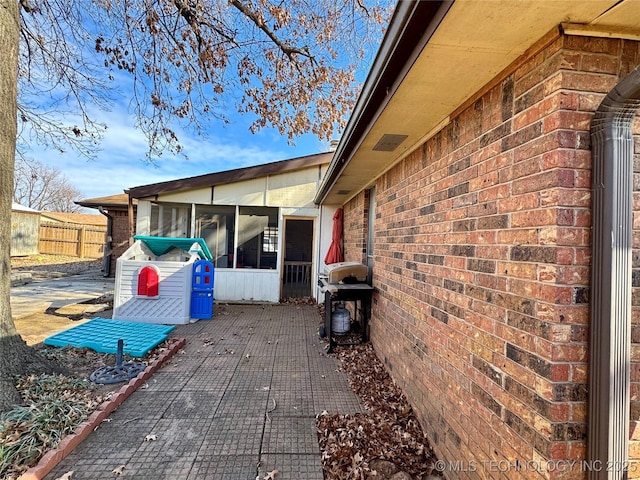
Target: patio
(238,402)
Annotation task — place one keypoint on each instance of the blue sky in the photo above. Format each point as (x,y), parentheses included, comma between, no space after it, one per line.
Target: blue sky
(120,162)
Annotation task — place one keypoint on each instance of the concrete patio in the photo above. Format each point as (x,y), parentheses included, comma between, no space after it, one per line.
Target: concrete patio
(239,401)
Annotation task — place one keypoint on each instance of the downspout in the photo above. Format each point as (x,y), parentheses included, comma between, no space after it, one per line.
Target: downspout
(610,335)
(108,244)
(132,227)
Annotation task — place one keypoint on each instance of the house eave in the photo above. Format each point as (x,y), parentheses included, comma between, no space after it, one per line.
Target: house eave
(229,176)
(406,31)
(465,45)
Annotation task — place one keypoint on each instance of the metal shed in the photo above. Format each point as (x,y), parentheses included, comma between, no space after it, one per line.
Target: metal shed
(25,227)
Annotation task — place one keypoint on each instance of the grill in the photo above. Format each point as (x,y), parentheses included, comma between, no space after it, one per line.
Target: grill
(346,282)
(346,272)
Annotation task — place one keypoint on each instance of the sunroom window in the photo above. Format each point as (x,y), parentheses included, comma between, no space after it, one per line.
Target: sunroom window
(257,237)
(216,225)
(169,220)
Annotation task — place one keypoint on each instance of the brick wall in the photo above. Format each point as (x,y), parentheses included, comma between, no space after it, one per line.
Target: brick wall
(482,251)
(355,218)
(120,236)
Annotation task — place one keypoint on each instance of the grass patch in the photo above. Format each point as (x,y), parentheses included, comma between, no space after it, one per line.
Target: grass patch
(54,406)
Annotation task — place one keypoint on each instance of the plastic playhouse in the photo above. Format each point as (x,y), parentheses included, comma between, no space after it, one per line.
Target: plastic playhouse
(164,280)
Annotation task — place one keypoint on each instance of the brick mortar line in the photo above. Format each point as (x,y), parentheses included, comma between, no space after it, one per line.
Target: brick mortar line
(52,458)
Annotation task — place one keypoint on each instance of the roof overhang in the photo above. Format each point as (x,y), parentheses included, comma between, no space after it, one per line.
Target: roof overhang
(114,202)
(230,176)
(435,57)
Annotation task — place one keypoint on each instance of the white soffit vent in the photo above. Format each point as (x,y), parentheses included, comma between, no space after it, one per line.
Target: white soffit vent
(389,142)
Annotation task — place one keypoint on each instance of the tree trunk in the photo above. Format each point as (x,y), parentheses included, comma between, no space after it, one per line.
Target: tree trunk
(16,358)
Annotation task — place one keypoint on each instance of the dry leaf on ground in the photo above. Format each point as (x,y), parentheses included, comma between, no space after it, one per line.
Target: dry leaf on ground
(389,430)
(66,476)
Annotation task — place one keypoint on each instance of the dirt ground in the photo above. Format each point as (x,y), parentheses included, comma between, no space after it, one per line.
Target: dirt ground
(36,327)
(43,266)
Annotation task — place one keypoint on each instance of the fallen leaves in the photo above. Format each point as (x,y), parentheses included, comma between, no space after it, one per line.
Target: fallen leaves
(299,301)
(389,431)
(55,405)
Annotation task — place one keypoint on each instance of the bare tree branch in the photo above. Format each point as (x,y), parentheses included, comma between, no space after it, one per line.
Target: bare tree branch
(26,6)
(190,61)
(260,23)
(41,187)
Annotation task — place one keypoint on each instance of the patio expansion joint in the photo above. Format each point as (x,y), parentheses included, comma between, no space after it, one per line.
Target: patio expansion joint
(236,373)
(267,419)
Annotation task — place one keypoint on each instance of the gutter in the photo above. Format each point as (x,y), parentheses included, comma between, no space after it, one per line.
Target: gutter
(410,28)
(610,335)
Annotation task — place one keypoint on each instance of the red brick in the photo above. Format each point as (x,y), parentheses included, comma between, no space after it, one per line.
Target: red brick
(540,218)
(535,183)
(570,353)
(528,201)
(566,197)
(547,235)
(567,120)
(582,179)
(574,159)
(518,236)
(491,231)
(518,269)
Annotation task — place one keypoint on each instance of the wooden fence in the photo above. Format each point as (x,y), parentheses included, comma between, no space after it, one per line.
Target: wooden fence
(82,241)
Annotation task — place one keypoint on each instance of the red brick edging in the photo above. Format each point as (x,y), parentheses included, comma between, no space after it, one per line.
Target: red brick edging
(82,431)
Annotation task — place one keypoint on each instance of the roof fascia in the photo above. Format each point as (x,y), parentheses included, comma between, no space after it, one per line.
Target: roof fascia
(229,176)
(412,25)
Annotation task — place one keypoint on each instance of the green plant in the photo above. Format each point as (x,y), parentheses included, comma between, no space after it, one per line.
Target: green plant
(54,406)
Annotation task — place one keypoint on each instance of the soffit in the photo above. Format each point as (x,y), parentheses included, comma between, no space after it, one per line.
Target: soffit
(474,42)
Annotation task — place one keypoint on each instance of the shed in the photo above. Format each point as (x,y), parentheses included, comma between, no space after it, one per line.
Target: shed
(25,225)
(154,279)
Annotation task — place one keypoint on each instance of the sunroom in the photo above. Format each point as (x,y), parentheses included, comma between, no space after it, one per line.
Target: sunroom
(260,223)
